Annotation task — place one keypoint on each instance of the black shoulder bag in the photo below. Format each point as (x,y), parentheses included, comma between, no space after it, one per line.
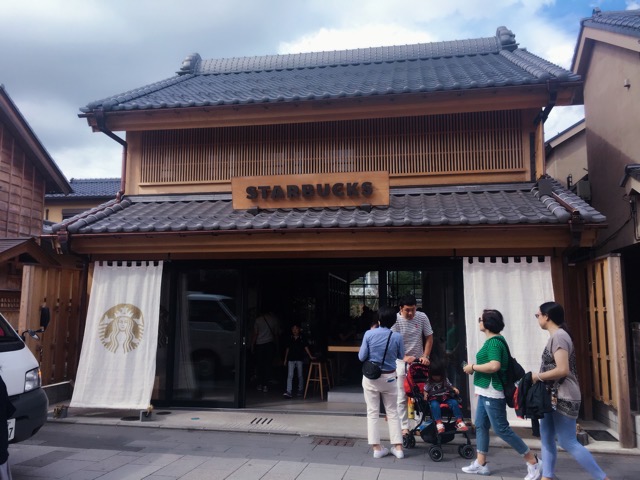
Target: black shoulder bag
(373,370)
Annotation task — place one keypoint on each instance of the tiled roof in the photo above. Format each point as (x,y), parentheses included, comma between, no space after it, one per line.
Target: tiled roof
(626,22)
(453,65)
(511,204)
(91,188)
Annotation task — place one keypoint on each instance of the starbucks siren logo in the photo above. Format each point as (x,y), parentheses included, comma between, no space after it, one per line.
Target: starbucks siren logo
(121,328)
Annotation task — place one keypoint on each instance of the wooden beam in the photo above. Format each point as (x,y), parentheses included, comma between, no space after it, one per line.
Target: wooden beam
(378,106)
(303,243)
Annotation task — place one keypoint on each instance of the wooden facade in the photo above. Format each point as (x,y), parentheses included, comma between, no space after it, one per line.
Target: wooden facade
(22,189)
(445,148)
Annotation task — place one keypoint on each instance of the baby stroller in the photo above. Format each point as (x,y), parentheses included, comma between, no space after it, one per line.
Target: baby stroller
(417,376)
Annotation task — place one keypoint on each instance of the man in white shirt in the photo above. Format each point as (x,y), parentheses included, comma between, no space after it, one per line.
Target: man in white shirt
(417,334)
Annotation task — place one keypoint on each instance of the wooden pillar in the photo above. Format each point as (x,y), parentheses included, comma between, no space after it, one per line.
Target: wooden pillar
(614,294)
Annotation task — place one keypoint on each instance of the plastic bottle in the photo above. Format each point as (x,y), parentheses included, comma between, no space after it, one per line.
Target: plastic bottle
(410,408)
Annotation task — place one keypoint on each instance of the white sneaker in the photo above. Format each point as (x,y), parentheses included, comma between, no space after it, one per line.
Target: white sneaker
(476,468)
(534,472)
(399,454)
(383,452)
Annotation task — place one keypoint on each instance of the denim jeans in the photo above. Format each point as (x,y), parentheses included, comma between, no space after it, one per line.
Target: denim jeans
(295,365)
(492,412)
(436,412)
(557,424)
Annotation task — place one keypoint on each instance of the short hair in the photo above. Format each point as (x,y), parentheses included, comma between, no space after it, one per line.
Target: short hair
(492,320)
(386,316)
(409,300)
(437,369)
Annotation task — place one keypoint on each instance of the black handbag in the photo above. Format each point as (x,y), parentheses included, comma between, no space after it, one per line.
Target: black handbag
(373,370)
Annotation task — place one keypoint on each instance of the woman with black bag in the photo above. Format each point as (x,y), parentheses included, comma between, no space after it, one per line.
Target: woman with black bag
(491,410)
(559,372)
(381,347)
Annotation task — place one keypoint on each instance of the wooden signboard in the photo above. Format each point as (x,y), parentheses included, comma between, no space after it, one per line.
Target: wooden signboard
(317,190)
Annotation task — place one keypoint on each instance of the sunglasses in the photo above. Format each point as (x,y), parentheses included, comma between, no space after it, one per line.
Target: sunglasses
(537,315)
(480,319)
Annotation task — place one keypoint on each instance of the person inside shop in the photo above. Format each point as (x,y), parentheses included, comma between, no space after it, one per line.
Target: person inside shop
(559,372)
(384,347)
(264,346)
(417,336)
(294,354)
(452,344)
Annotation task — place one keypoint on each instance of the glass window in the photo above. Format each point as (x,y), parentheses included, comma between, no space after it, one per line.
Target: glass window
(404,282)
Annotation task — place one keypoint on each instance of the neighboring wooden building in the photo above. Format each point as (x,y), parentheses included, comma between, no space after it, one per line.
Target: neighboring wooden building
(27,172)
(325,181)
(606,57)
(32,273)
(85,193)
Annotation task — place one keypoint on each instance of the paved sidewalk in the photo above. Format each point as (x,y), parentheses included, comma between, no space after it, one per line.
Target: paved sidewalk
(295,423)
(239,445)
(170,454)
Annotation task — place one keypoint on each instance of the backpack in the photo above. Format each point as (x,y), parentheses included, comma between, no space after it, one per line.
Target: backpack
(511,378)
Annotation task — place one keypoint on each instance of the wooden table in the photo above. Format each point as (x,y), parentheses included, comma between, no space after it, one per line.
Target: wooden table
(344,348)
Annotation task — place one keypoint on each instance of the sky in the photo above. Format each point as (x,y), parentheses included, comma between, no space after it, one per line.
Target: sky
(57,56)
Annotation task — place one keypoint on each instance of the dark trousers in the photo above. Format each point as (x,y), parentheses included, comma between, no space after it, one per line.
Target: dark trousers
(264,362)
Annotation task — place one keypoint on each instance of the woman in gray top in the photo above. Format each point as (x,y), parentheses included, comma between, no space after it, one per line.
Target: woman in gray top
(558,371)
(373,347)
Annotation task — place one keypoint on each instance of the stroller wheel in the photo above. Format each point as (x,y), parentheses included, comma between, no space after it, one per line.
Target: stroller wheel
(436,454)
(466,451)
(408,440)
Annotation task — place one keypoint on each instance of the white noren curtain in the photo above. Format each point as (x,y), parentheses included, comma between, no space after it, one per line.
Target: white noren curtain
(118,358)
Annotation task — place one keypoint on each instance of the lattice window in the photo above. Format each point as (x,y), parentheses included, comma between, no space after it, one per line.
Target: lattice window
(439,144)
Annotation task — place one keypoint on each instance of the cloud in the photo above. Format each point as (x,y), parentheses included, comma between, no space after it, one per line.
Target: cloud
(60,55)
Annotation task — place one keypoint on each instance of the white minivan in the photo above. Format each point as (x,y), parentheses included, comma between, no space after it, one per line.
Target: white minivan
(21,373)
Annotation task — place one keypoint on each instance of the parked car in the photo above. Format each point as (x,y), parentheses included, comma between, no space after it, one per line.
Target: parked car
(21,373)
(212,333)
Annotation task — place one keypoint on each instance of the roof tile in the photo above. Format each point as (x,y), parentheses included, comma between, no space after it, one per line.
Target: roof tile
(451,65)
(409,207)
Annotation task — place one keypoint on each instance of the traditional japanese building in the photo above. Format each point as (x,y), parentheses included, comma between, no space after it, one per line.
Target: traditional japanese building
(317,183)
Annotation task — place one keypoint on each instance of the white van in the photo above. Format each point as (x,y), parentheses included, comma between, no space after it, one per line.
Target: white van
(21,373)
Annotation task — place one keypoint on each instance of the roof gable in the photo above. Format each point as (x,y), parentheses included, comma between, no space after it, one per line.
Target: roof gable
(620,28)
(626,22)
(9,114)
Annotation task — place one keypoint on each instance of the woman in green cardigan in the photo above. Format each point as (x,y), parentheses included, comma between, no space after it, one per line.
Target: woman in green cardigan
(491,410)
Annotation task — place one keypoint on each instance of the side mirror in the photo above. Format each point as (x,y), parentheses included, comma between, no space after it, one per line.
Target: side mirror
(32,333)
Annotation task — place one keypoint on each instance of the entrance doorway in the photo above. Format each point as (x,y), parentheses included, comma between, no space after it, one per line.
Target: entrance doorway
(334,304)
(209,309)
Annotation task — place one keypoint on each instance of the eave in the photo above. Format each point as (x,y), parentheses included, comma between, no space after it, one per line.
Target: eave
(591,35)
(336,243)
(25,251)
(378,106)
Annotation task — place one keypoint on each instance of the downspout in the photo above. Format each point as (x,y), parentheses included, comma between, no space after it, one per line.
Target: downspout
(101,123)
(541,117)
(553,96)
